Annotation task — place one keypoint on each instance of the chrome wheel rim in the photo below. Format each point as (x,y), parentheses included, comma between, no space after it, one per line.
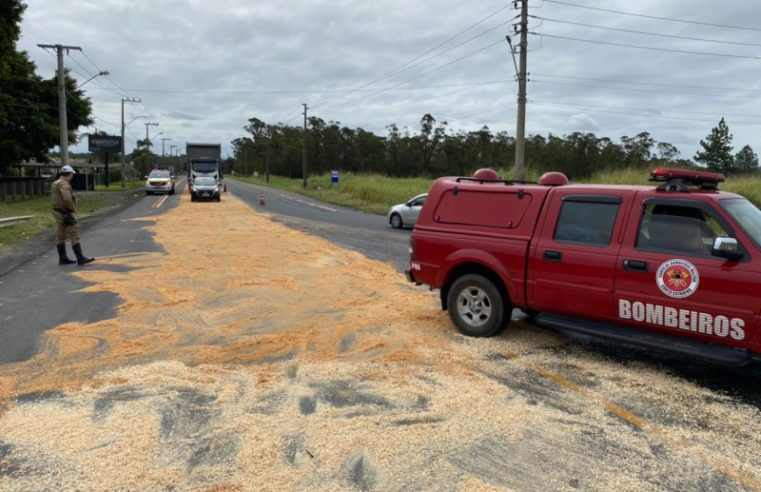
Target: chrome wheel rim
(474,306)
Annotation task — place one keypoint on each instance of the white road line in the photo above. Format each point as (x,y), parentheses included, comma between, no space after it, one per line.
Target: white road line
(160,201)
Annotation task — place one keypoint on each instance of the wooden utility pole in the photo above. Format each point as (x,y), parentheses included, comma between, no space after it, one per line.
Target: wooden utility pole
(269,154)
(129,99)
(520,131)
(304,150)
(63,125)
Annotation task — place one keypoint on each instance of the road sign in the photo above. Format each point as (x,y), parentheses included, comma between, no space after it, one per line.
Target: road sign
(111,144)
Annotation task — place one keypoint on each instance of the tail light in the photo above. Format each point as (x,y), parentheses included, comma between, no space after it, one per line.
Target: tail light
(412,249)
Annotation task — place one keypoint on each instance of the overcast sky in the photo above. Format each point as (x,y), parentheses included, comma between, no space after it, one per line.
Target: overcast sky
(203,68)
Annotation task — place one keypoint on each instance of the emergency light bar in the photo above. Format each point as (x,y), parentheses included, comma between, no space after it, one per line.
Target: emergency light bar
(681,179)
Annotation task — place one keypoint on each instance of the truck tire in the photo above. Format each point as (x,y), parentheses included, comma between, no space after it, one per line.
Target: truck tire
(396,221)
(477,307)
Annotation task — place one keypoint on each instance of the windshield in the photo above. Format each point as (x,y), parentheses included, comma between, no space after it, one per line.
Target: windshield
(747,215)
(159,174)
(205,181)
(204,166)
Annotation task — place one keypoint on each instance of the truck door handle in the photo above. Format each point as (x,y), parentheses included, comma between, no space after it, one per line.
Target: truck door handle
(550,255)
(635,265)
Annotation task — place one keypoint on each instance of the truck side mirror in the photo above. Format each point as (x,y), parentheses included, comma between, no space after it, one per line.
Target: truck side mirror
(726,247)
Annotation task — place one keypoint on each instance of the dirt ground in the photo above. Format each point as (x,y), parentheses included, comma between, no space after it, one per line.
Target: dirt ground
(256,357)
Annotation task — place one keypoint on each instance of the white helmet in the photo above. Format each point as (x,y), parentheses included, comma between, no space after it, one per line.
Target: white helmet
(67,170)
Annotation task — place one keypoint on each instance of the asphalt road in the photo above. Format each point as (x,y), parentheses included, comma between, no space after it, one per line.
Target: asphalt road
(41,295)
(366,233)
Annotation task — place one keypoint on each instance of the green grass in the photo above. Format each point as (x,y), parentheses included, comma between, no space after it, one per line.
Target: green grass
(42,220)
(370,193)
(117,186)
(745,185)
(376,193)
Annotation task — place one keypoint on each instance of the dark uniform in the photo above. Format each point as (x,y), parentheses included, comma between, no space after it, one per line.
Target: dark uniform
(64,207)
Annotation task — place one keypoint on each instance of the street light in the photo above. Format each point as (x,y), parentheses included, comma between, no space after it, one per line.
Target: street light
(135,118)
(103,72)
(129,99)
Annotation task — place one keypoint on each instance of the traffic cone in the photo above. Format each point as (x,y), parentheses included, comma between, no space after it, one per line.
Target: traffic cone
(261,198)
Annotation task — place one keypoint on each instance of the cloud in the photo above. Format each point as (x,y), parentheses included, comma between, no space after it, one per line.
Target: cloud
(182,115)
(584,123)
(369,64)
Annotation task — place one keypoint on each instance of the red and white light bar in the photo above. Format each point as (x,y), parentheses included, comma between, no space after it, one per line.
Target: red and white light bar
(692,177)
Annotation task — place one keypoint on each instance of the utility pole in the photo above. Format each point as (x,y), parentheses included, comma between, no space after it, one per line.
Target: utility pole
(267,162)
(520,131)
(63,125)
(171,156)
(147,138)
(304,150)
(163,139)
(129,99)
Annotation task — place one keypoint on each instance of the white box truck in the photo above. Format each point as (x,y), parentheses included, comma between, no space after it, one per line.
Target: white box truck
(204,165)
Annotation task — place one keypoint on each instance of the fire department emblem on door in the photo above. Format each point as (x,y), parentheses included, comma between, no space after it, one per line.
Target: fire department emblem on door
(677,278)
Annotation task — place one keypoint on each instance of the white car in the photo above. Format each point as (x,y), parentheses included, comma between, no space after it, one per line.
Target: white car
(405,214)
(159,181)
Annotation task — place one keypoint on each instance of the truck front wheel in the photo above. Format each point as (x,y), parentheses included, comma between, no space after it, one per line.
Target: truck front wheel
(477,307)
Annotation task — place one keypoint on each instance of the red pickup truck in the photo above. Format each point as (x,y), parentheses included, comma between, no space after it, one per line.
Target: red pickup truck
(674,266)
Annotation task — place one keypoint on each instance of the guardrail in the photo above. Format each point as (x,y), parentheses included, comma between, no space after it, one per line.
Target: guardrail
(13,189)
(9,221)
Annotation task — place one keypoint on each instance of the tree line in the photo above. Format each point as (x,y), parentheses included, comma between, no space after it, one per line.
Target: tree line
(433,149)
(28,102)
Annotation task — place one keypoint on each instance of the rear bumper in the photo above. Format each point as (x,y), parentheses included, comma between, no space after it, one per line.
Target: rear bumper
(410,276)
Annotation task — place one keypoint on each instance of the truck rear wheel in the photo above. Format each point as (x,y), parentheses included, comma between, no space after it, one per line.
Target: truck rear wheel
(477,307)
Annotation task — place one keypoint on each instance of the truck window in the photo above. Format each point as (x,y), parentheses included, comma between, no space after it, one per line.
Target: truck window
(586,222)
(503,209)
(204,166)
(678,229)
(747,215)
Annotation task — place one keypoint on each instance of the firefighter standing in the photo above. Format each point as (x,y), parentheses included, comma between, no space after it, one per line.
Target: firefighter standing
(66,227)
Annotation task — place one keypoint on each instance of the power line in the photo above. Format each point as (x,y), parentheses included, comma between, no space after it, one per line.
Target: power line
(567,38)
(632,31)
(652,114)
(659,111)
(118,89)
(629,82)
(483,48)
(315,91)
(671,19)
(404,66)
(92,62)
(657,91)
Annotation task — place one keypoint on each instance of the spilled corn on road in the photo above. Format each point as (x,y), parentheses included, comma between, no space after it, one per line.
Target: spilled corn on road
(257,357)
